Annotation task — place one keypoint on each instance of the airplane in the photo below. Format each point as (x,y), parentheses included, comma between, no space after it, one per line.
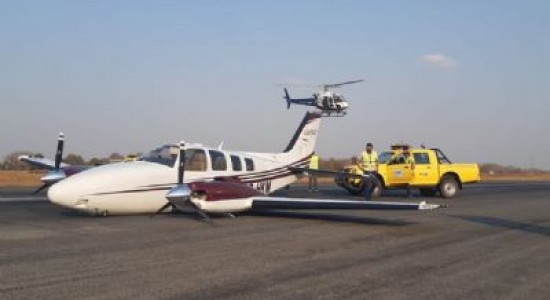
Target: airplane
(57,170)
(326,101)
(209,181)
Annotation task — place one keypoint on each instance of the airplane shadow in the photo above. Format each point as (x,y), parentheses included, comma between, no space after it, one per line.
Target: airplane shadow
(508,224)
(318,216)
(328,217)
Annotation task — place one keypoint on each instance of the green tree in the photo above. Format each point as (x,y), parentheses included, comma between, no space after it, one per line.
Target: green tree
(98,161)
(115,156)
(74,159)
(11,161)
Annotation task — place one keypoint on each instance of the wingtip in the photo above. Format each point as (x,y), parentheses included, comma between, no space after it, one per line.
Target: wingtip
(429,206)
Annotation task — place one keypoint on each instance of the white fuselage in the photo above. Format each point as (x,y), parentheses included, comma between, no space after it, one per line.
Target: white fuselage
(141,186)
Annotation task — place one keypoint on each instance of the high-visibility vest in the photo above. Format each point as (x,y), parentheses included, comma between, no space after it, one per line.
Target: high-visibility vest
(314,162)
(369,160)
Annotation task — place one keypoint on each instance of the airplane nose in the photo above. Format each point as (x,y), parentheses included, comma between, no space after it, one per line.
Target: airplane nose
(59,194)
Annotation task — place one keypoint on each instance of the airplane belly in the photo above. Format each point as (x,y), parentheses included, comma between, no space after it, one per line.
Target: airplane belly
(126,204)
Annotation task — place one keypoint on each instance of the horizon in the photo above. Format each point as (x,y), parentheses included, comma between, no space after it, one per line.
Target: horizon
(468,77)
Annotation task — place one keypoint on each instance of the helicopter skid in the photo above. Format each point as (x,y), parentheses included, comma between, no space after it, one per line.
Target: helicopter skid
(333,113)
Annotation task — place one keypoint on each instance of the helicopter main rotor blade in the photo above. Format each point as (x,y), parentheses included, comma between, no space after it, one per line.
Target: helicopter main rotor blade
(335,85)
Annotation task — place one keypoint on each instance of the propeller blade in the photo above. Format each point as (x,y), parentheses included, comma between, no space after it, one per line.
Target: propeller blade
(165,206)
(42,187)
(59,152)
(204,216)
(55,175)
(181,165)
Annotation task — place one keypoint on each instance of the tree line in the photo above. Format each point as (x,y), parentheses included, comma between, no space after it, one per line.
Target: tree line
(11,161)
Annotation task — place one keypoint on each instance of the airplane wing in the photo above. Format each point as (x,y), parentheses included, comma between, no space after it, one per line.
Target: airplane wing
(41,163)
(309,203)
(325,172)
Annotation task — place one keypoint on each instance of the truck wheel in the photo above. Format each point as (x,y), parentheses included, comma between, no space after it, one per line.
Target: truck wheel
(448,187)
(428,192)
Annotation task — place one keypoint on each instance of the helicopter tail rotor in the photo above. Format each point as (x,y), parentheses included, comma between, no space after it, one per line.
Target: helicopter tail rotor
(287,98)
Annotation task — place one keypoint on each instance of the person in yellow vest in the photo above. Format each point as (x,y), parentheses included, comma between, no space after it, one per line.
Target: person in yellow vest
(314,165)
(369,158)
(409,160)
(368,179)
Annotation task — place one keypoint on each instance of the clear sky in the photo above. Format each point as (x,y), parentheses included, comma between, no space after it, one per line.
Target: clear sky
(470,77)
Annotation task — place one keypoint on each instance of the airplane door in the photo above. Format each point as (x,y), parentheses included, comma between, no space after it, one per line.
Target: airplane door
(398,171)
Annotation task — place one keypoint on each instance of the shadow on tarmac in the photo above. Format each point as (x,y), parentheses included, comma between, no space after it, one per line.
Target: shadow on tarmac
(508,224)
(329,217)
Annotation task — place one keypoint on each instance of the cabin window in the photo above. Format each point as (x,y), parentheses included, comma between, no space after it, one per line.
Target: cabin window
(421,158)
(236,163)
(219,163)
(195,160)
(249,164)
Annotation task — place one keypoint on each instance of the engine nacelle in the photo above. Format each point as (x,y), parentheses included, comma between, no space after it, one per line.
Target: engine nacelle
(220,190)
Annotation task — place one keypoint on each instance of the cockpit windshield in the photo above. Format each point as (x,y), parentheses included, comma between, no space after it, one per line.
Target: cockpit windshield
(195,159)
(165,155)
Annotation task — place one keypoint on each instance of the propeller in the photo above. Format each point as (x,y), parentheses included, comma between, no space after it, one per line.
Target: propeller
(180,195)
(55,175)
(287,98)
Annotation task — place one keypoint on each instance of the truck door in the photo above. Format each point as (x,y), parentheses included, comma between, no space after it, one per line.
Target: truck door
(398,172)
(425,171)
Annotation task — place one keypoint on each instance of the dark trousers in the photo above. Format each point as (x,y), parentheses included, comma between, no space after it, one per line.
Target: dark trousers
(370,184)
(312,182)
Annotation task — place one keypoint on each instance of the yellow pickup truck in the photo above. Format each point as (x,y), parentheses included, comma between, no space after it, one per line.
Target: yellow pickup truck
(432,173)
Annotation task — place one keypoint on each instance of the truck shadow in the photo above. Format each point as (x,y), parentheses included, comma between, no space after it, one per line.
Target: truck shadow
(508,224)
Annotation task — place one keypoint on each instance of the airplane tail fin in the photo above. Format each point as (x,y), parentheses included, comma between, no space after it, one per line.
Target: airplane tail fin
(303,142)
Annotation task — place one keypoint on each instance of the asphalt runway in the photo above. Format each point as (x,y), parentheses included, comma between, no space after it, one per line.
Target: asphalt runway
(493,242)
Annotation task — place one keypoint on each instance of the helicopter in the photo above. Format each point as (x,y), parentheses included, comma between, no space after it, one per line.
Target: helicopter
(327,101)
